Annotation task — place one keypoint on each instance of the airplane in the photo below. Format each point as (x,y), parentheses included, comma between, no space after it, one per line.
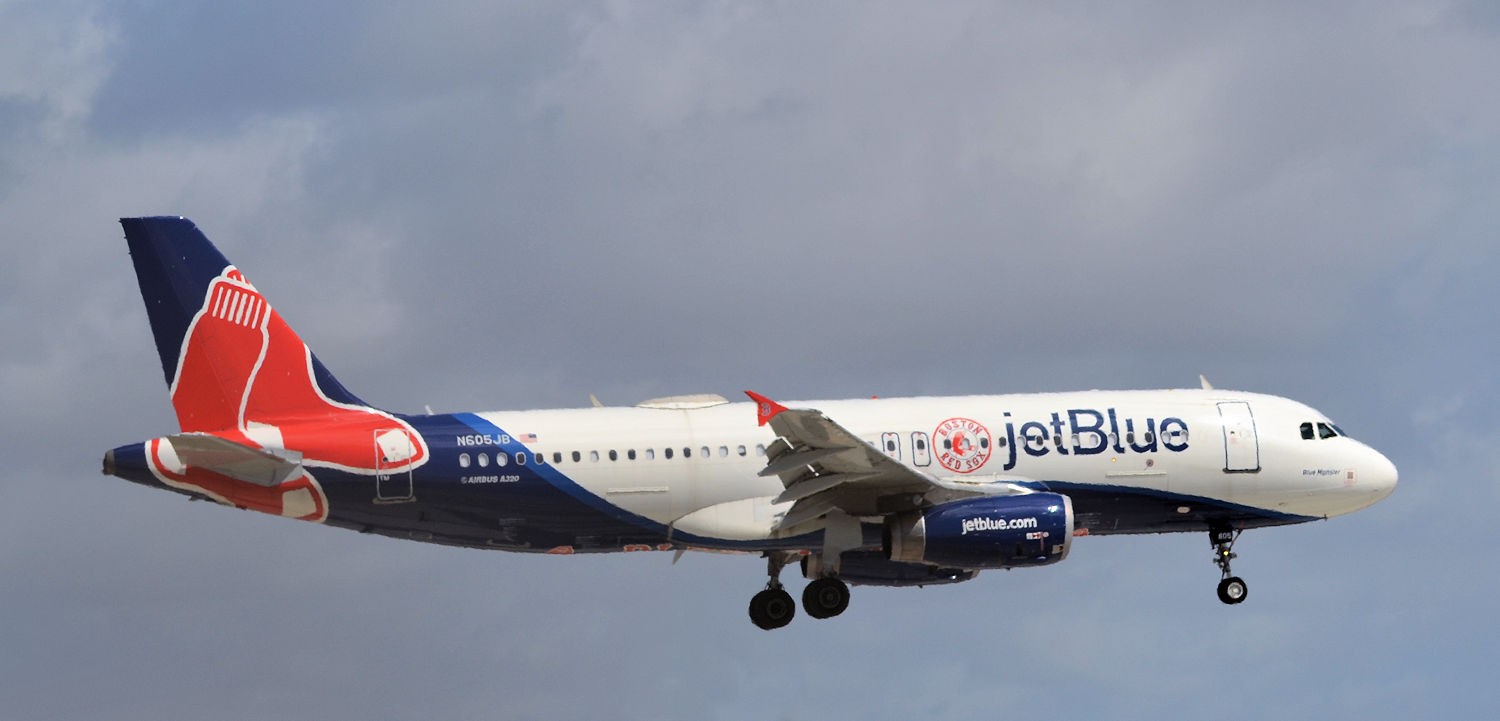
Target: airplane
(875,492)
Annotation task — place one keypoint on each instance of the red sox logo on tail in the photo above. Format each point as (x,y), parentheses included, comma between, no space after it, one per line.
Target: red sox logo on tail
(245,376)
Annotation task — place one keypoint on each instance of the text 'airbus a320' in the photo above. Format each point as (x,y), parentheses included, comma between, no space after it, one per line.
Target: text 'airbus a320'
(881,492)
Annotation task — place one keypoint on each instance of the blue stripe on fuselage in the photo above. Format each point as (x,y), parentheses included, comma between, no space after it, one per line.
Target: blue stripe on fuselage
(624,522)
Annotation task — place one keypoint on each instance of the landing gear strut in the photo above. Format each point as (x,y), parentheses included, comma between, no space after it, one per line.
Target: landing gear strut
(1232,588)
(773,607)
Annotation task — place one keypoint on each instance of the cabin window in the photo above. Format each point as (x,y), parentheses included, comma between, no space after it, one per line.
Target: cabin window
(520,458)
(463,460)
(630,454)
(540,458)
(1001,442)
(651,454)
(502,458)
(577,456)
(723,451)
(984,443)
(687,453)
(613,456)
(1035,439)
(707,453)
(921,444)
(667,453)
(484,460)
(741,450)
(557,456)
(760,449)
(594,456)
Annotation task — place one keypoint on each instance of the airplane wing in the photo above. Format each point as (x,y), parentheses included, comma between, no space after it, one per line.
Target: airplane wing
(826,467)
(236,460)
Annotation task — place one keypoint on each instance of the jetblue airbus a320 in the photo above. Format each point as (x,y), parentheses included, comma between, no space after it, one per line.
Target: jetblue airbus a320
(877,492)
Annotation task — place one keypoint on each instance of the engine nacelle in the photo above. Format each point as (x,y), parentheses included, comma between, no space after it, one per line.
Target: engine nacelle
(872,568)
(1032,529)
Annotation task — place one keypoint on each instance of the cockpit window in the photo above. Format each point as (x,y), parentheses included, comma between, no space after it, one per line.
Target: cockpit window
(1320,431)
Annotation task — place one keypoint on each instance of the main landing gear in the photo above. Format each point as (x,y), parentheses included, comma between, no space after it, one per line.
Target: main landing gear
(773,608)
(1232,588)
(825,597)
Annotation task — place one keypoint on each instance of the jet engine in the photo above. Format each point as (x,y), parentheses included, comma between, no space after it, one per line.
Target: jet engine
(1032,529)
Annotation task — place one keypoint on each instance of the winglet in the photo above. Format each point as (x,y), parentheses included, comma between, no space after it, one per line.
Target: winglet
(765,408)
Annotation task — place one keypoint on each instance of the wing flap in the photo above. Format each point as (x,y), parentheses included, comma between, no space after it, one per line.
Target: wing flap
(793,460)
(806,510)
(818,484)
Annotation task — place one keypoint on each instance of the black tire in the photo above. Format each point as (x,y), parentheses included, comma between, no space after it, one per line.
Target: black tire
(825,598)
(772,608)
(1233,590)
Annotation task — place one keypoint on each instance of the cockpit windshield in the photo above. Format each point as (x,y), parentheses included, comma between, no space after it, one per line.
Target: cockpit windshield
(1318,430)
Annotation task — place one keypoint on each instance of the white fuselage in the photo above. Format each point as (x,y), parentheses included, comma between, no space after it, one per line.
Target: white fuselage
(1227,449)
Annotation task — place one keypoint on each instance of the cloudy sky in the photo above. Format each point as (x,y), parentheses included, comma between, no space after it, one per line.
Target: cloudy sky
(479,205)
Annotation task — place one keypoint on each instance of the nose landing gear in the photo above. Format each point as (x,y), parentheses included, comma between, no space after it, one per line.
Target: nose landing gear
(1232,588)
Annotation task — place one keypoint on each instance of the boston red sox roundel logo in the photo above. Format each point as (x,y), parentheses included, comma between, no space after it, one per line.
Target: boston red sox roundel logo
(961,444)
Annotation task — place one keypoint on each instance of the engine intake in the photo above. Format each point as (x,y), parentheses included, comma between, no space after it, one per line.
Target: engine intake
(1033,529)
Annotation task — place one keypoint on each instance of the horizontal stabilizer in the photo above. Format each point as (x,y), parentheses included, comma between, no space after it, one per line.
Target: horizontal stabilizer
(236,460)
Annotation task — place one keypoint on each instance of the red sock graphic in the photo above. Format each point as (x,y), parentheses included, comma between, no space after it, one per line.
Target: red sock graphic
(243,366)
(244,375)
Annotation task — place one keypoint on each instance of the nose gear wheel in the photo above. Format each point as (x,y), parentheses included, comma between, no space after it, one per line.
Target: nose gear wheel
(1232,588)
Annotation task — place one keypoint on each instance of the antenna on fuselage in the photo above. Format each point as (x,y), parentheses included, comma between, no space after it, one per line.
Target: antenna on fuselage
(595,401)
(1206,385)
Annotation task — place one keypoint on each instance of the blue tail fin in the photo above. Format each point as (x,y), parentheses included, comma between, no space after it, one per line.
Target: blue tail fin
(184,279)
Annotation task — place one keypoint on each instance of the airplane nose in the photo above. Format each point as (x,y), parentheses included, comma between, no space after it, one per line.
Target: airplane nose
(1380,475)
